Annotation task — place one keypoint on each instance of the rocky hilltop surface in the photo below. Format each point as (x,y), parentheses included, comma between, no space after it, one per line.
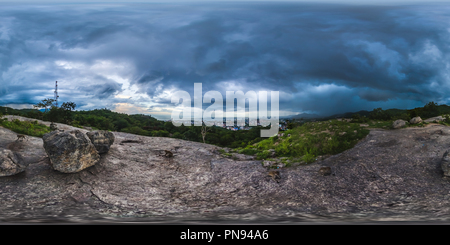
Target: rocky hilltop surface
(391,175)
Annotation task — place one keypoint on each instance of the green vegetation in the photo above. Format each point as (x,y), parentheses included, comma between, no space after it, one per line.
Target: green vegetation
(25,127)
(431,109)
(307,140)
(310,140)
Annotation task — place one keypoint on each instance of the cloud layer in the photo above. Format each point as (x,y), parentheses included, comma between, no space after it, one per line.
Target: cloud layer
(323,58)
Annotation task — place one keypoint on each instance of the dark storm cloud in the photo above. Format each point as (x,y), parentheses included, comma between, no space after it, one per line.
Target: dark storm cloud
(356,47)
(366,56)
(103,90)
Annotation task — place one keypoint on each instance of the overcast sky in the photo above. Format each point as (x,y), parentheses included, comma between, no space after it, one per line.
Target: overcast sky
(323,58)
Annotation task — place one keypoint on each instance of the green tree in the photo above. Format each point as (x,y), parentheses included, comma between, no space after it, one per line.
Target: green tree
(191,135)
(379,114)
(356,117)
(168,126)
(61,114)
(226,139)
(415,112)
(160,133)
(291,125)
(45,103)
(53,115)
(182,129)
(177,135)
(121,124)
(66,111)
(431,109)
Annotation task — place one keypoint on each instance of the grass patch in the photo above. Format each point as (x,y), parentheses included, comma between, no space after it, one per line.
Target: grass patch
(248,151)
(310,140)
(381,124)
(264,154)
(32,128)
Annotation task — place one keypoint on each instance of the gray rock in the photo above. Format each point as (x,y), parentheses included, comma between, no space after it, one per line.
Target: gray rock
(70,152)
(434,119)
(102,140)
(398,123)
(272,152)
(11,163)
(53,127)
(445,163)
(267,163)
(241,157)
(415,120)
(226,150)
(325,171)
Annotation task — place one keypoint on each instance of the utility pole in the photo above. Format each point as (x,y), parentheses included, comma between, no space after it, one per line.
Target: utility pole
(56,93)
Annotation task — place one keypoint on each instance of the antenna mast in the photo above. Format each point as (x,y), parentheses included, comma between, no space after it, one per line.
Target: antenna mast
(56,93)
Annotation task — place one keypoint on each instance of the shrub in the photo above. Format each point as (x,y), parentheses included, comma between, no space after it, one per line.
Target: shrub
(283,149)
(309,156)
(160,133)
(265,144)
(262,155)
(248,151)
(359,119)
(379,114)
(135,130)
(177,135)
(430,110)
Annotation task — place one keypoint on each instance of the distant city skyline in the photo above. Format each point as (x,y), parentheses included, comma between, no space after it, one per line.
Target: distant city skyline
(324,58)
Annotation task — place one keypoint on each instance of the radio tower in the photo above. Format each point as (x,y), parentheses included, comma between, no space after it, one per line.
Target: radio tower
(56,93)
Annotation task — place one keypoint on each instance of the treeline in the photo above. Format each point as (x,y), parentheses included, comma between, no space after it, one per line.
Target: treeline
(431,109)
(104,119)
(146,125)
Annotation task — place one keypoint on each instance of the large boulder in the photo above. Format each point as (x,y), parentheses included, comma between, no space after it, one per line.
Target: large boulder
(445,163)
(101,139)
(11,163)
(415,120)
(398,123)
(70,151)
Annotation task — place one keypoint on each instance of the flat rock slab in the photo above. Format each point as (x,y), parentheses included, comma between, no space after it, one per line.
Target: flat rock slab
(391,175)
(434,119)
